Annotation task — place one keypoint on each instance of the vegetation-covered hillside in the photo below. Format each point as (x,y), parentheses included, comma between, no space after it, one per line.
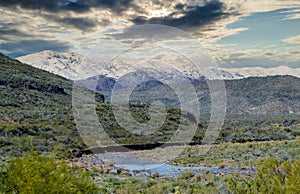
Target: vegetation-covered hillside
(36,111)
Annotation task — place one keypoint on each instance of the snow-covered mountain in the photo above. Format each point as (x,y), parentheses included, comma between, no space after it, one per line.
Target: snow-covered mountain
(264,72)
(69,65)
(75,67)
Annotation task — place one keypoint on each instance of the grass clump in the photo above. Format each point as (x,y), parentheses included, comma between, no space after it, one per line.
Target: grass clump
(35,173)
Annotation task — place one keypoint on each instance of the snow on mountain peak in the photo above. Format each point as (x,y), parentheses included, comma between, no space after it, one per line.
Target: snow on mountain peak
(69,65)
(75,67)
(263,72)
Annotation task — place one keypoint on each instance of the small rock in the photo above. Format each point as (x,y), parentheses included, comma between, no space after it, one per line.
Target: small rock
(257,153)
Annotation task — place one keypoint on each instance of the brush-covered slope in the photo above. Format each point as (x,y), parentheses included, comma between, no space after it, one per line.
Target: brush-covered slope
(35,110)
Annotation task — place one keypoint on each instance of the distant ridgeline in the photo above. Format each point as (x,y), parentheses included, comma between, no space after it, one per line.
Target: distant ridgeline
(36,111)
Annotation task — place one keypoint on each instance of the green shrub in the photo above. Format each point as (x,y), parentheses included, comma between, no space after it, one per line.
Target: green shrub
(272,177)
(34,173)
(295,132)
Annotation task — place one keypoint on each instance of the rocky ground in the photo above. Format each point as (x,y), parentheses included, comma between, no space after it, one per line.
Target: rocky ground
(226,158)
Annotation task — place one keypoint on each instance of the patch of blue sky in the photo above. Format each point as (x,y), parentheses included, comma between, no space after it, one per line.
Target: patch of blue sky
(110,31)
(264,29)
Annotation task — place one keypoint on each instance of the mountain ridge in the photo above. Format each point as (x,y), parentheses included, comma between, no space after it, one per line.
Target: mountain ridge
(76,67)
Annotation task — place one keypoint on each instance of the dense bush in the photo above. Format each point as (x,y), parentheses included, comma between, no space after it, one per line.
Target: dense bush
(272,177)
(40,174)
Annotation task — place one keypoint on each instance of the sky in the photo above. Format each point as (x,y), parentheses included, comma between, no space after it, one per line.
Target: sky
(236,33)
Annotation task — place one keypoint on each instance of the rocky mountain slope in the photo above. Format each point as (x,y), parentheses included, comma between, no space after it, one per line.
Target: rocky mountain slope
(272,95)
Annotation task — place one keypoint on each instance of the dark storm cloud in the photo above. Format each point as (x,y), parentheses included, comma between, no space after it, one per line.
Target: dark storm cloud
(84,24)
(18,48)
(78,6)
(116,6)
(196,17)
(50,5)
(192,16)
(62,6)
(180,6)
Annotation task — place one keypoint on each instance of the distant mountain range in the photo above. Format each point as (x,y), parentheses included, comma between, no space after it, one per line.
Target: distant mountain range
(264,72)
(75,67)
(263,91)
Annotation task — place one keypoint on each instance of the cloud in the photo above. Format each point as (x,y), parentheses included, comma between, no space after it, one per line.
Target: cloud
(269,56)
(18,48)
(74,14)
(78,24)
(116,6)
(292,40)
(52,5)
(84,24)
(9,32)
(89,15)
(47,5)
(150,31)
(77,6)
(195,17)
